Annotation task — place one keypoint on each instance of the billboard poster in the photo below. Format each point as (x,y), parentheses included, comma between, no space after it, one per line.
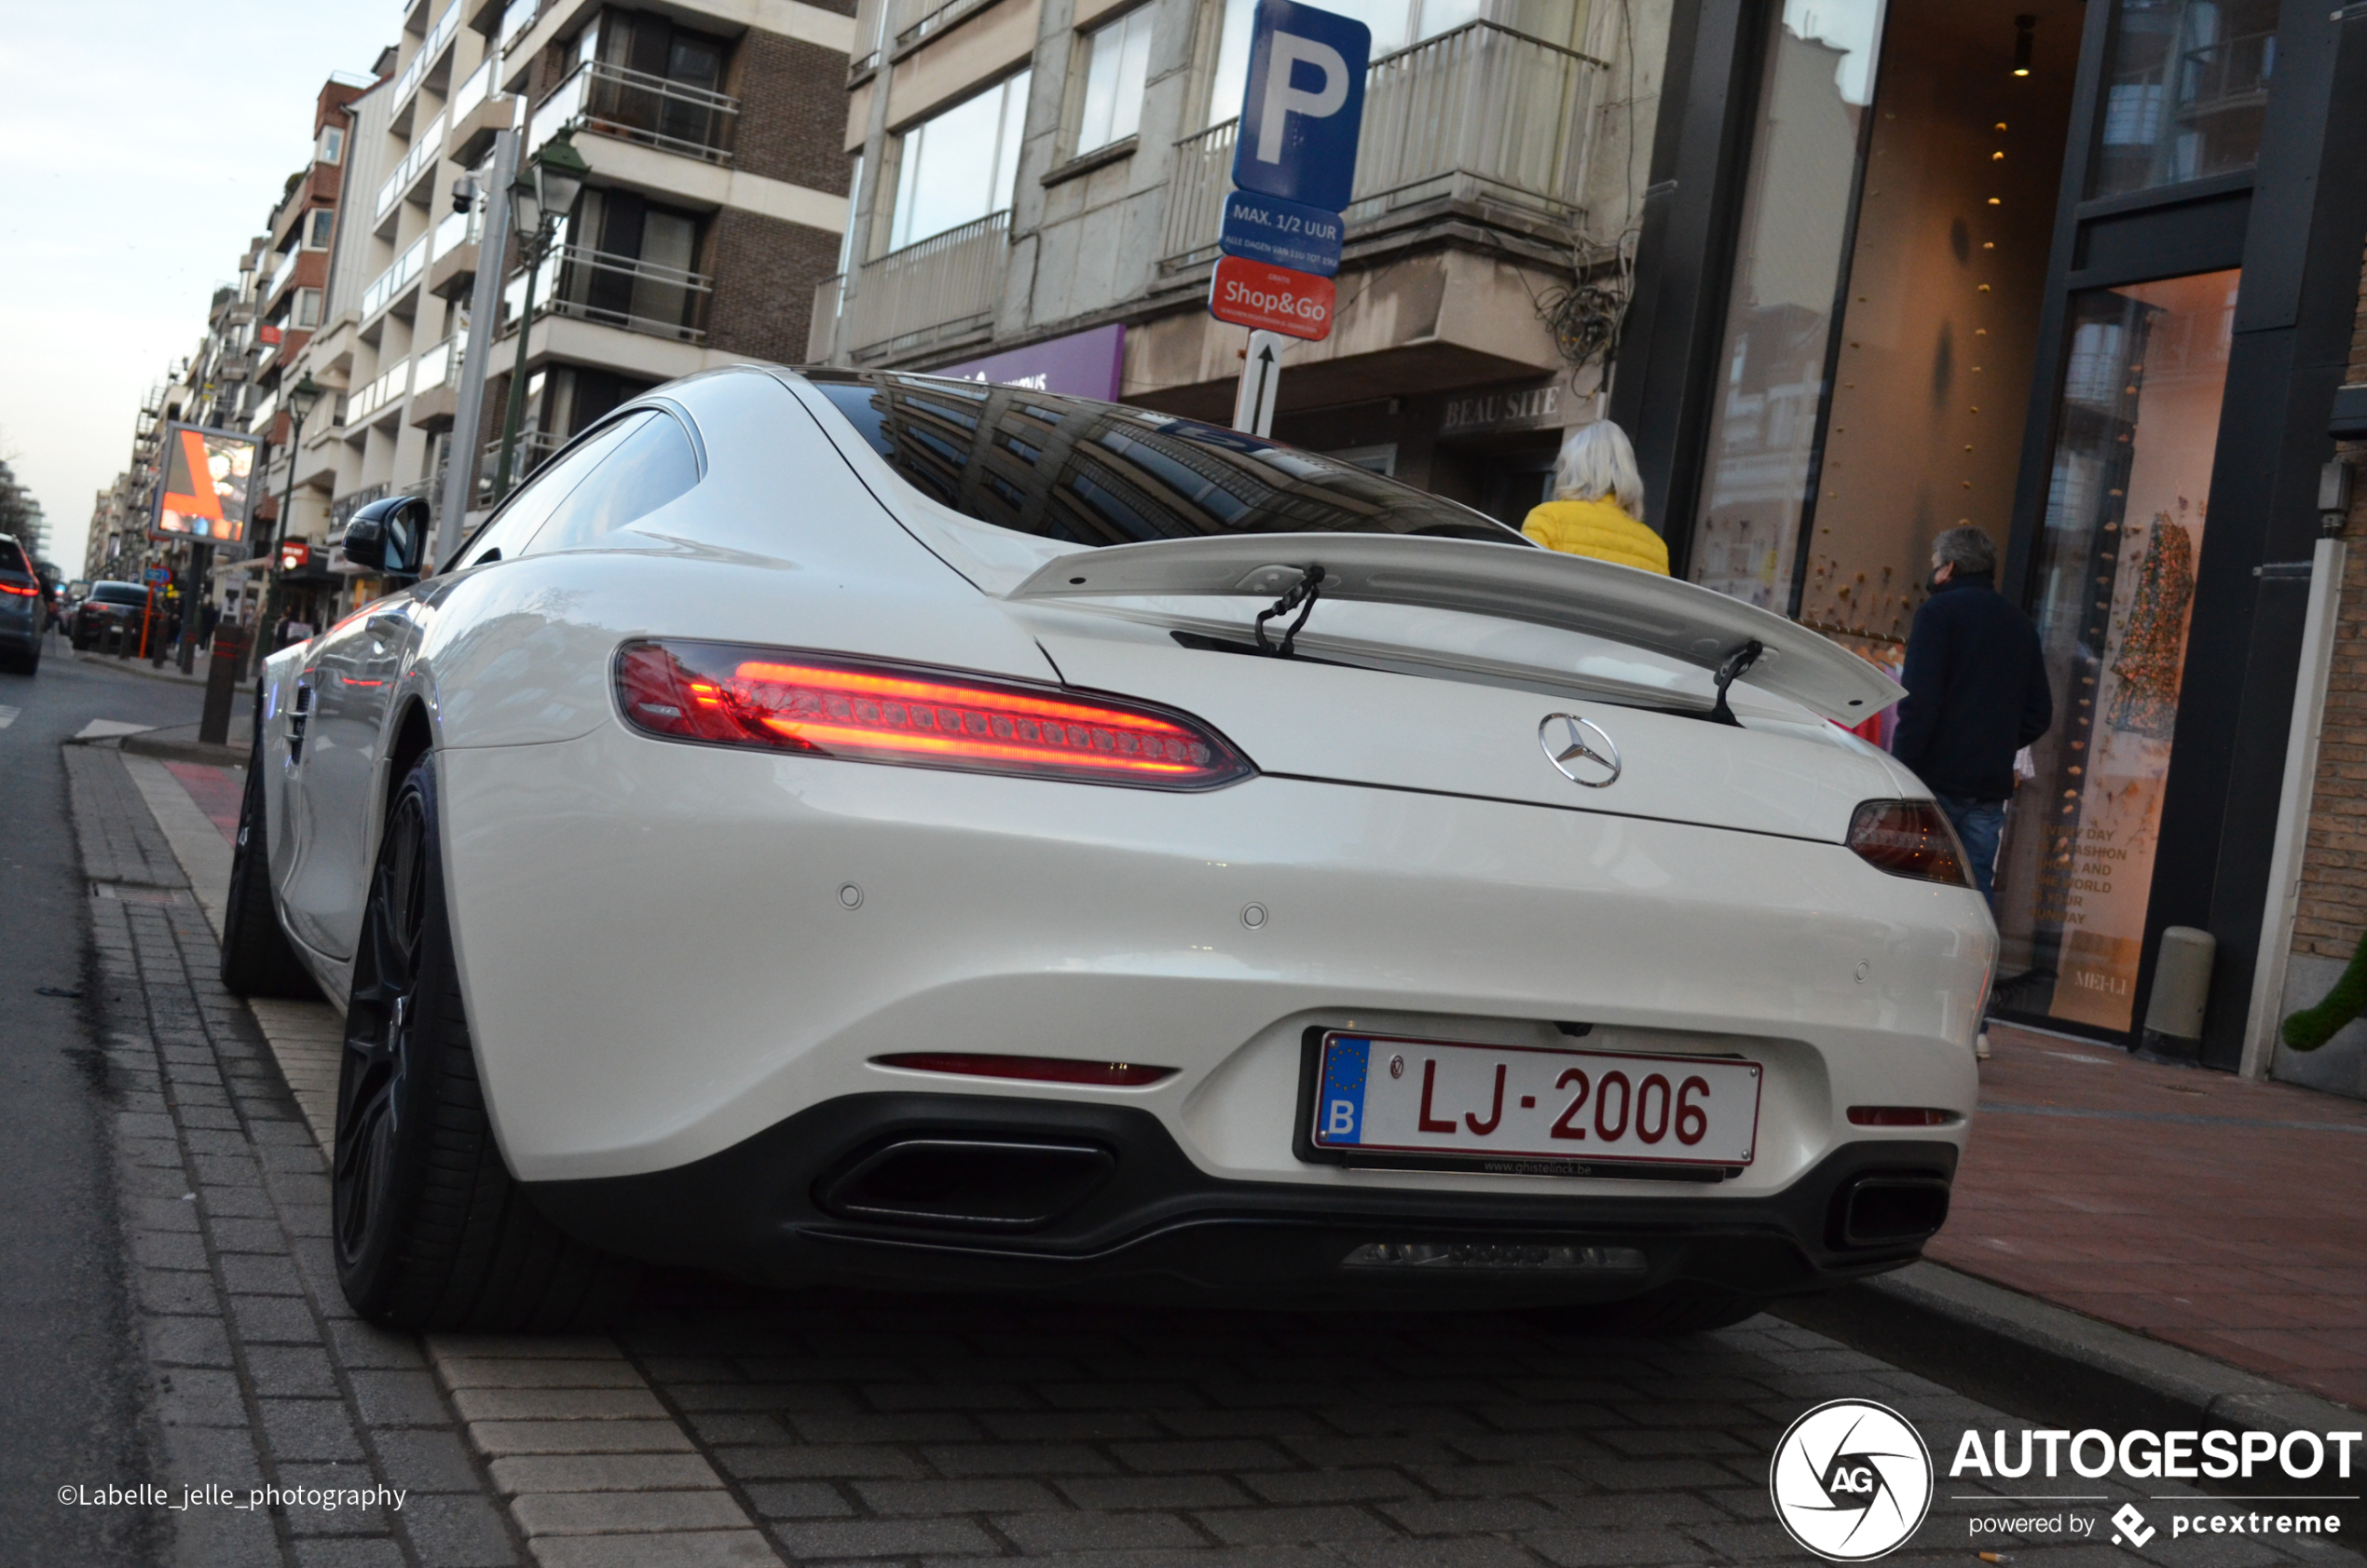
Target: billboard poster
(208,485)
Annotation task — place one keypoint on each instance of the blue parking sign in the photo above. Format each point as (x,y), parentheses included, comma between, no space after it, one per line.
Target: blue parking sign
(1304,106)
(1281,233)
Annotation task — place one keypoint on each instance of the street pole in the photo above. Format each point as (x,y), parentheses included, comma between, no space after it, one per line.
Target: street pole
(534,249)
(192,599)
(262,647)
(484,310)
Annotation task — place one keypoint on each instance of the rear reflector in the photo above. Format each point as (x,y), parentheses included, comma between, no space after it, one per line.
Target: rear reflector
(1899,1116)
(1041,1070)
(860,711)
(1908,839)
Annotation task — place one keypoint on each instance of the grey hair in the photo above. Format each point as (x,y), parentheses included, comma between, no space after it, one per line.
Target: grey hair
(1596,462)
(1970,551)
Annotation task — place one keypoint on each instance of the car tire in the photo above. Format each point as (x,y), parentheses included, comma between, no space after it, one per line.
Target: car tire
(1681,1308)
(257,959)
(431,1230)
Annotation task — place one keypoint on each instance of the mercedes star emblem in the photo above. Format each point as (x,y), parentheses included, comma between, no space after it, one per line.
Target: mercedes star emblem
(1580,749)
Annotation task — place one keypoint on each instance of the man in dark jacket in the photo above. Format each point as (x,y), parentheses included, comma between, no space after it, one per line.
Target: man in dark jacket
(1976,694)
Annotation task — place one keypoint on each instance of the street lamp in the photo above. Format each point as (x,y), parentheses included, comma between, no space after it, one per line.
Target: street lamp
(299,401)
(539,202)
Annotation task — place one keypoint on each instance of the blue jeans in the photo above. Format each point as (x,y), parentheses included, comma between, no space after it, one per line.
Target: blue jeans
(1979,824)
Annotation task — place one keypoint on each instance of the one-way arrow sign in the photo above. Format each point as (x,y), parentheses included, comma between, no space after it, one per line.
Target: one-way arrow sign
(1260,376)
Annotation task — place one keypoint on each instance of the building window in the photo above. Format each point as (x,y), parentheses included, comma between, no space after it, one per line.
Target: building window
(319,225)
(2185,90)
(308,307)
(1395,23)
(331,147)
(961,166)
(1117,57)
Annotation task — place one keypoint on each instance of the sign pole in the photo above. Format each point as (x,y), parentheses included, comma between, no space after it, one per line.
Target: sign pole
(1261,378)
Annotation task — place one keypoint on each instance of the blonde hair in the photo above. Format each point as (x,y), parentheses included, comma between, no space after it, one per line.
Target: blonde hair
(1596,462)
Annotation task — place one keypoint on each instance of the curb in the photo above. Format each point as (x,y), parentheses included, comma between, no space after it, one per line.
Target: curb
(2048,1362)
(180,744)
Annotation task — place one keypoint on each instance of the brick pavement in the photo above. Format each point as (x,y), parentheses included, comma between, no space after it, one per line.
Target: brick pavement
(725,1424)
(2196,1207)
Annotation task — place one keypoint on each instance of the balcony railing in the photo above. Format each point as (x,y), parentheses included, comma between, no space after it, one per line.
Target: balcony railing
(936,289)
(446,27)
(616,290)
(516,18)
(635,106)
(282,272)
(425,150)
(533,447)
(439,364)
(471,92)
(911,20)
(375,399)
(454,230)
(1481,115)
(388,286)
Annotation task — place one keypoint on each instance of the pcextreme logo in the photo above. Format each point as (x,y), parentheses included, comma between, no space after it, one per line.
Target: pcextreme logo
(1851,1481)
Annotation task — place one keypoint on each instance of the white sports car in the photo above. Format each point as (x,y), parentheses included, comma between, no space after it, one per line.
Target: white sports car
(885,830)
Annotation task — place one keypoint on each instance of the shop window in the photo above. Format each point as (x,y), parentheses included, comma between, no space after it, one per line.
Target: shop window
(2137,422)
(2185,90)
(1117,59)
(960,166)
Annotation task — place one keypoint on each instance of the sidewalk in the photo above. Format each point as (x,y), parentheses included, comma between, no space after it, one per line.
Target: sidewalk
(2195,1208)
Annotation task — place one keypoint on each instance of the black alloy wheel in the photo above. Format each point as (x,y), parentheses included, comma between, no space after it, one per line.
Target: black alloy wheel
(429,1228)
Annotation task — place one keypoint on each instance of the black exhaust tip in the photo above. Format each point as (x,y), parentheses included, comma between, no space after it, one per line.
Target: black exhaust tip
(1889,1210)
(968,1183)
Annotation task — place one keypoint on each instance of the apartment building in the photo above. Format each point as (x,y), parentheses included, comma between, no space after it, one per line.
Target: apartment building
(714,205)
(1039,184)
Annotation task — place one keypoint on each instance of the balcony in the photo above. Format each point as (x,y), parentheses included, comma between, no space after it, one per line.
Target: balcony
(419,161)
(1482,115)
(910,21)
(379,397)
(282,273)
(388,286)
(635,106)
(617,292)
(452,253)
(439,38)
(822,327)
(931,292)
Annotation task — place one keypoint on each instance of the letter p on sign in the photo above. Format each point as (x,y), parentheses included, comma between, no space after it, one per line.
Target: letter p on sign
(1303,105)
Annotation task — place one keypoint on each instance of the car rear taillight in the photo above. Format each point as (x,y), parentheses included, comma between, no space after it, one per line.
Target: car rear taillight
(864,711)
(27,592)
(1908,839)
(1041,1070)
(1899,1116)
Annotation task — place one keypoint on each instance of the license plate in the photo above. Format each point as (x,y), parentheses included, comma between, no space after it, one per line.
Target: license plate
(1510,1106)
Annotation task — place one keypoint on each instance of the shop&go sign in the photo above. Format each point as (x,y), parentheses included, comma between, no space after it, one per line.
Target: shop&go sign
(1271,298)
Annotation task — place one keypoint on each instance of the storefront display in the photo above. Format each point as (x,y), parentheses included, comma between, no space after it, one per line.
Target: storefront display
(2138,419)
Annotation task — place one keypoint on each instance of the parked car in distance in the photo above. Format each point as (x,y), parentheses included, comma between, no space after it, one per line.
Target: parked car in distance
(106,603)
(22,616)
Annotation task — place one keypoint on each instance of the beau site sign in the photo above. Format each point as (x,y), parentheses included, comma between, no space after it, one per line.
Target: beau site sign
(1303,105)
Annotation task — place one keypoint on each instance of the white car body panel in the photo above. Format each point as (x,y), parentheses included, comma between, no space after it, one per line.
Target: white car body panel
(658,964)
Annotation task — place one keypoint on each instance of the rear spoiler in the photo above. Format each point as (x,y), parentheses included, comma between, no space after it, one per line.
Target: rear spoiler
(1640,609)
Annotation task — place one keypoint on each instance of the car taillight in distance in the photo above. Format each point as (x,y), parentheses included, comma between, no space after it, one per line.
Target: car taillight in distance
(1908,839)
(818,704)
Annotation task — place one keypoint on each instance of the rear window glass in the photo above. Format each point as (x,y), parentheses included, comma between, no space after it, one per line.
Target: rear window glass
(1100,474)
(12,557)
(121,593)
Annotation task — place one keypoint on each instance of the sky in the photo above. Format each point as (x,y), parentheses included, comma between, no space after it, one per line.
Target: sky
(142,143)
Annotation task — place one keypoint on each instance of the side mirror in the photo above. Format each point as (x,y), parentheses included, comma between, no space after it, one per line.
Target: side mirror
(389,536)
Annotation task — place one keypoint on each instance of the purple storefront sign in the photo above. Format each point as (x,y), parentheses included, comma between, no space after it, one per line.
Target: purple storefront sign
(1084,364)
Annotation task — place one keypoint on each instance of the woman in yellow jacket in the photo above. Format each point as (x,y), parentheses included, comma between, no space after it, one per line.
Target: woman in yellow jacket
(1599,502)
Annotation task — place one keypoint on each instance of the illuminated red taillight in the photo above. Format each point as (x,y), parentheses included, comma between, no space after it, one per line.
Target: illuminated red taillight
(1899,1116)
(861,711)
(12,588)
(1908,839)
(1043,1070)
